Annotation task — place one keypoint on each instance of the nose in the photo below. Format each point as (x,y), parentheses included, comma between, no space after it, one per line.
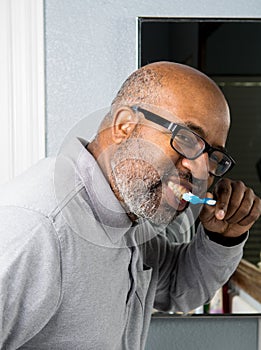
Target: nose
(198,167)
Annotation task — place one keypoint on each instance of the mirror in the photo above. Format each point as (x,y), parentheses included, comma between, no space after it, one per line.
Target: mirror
(229,51)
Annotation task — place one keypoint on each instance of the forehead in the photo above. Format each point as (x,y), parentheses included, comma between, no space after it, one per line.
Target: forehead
(204,112)
(213,130)
(207,125)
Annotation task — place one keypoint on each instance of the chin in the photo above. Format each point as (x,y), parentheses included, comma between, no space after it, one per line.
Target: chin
(164,216)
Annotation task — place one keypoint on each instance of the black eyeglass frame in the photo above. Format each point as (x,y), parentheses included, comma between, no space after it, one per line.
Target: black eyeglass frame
(174,128)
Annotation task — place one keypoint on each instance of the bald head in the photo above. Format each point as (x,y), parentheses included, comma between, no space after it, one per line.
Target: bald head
(185,94)
(142,86)
(158,82)
(170,86)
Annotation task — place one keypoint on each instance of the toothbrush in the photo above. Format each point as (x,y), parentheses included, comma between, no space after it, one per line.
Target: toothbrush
(190,197)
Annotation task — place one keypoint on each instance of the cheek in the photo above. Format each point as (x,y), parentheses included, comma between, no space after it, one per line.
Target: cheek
(132,171)
(210,181)
(163,152)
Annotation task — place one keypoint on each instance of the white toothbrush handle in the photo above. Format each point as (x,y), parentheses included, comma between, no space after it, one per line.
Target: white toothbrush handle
(210,201)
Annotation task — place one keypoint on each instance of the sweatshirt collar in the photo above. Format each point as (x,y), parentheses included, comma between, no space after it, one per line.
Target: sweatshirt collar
(102,200)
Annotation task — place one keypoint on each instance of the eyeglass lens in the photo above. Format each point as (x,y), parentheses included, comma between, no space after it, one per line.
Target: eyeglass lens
(191,146)
(219,163)
(188,143)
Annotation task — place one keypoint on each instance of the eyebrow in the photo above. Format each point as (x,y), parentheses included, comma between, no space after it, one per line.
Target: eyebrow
(197,129)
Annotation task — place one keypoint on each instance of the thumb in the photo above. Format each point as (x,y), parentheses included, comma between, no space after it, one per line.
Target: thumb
(219,212)
(207,211)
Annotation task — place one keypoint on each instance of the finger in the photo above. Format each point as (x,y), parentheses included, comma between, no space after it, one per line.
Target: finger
(253,215)
(236,198)
(222,192)
(207,211)
(243,207)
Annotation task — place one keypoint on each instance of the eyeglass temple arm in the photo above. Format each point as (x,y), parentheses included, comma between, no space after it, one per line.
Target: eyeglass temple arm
(155,118)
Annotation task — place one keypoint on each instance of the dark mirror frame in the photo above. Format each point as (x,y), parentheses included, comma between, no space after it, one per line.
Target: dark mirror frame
(186,40)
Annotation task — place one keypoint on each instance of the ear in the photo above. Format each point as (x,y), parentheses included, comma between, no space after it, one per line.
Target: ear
(124,122)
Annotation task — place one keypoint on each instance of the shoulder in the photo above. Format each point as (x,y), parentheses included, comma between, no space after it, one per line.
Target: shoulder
(30,274)
(32,189)
(42,187)
(26,234)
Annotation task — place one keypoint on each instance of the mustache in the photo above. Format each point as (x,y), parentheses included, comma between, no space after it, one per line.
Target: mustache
(187,176)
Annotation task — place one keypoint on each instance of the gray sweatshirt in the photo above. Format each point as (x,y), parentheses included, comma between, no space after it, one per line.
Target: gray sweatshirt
(76,273)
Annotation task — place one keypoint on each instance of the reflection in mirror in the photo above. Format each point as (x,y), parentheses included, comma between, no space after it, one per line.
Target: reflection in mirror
(229,51)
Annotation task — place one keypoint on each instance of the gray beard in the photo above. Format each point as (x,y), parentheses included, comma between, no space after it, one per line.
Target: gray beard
(139,184)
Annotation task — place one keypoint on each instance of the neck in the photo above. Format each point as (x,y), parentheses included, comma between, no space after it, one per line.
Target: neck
(102,156)
(103,159)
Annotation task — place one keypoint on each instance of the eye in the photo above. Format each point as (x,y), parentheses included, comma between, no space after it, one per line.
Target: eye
(216,157)
(186,138)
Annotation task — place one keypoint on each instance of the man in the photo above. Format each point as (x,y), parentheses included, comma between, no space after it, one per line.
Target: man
(84,255)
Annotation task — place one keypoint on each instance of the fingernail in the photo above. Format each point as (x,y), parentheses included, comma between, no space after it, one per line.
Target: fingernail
(220,215)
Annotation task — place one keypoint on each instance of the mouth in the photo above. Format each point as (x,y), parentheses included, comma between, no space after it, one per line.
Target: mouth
(174,193)
(178,190)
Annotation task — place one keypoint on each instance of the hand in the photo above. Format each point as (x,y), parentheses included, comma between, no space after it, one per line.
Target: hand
(236,210)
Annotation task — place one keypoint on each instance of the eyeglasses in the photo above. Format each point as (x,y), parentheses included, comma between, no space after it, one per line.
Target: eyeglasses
(190,145)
